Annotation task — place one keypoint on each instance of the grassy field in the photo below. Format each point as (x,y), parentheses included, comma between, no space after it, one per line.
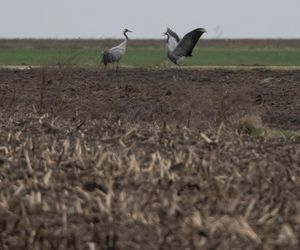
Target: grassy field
(152,56)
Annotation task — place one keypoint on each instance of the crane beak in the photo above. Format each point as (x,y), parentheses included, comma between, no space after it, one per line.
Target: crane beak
(164,33)
(129,31)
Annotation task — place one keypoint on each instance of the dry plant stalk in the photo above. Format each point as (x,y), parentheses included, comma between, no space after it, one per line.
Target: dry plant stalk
(117,168)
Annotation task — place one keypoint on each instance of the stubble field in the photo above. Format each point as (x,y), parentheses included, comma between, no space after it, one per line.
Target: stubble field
(200,159)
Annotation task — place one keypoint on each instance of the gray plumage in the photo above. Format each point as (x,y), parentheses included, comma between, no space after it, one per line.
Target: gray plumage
(114,55)
(173,34)
(178,49)
(107,58)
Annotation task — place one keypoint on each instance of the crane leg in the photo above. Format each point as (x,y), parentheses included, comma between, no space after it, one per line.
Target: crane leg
(105,66)
(112,71)
(178,70)
(117,71)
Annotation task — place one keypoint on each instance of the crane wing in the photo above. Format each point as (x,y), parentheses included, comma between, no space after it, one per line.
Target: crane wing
(107,57)
(188,42)
(173,34)
(172,43)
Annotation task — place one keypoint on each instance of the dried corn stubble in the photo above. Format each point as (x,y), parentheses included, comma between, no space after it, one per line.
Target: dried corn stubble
(110,183)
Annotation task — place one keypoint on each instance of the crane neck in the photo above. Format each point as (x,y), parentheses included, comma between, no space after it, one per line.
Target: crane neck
(126,37)
(168,38)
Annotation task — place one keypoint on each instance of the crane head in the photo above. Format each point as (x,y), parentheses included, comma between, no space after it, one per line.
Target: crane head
(126,30)
(203,30)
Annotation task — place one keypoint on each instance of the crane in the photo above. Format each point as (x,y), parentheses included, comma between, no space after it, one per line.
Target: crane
(114,55)
(178,50)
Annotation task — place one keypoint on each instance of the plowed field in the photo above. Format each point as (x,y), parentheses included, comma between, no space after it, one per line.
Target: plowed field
(153,159)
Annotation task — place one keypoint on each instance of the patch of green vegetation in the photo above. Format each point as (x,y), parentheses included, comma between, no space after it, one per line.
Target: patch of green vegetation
(267,56)
(273,133)
(47,56)
(152,56)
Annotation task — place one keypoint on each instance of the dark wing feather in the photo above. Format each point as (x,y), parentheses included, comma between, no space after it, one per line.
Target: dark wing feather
(188,42)
(173,34)
(107,57)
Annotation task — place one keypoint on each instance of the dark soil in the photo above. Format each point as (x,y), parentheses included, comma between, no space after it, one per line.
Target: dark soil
(148,160)
(203,98)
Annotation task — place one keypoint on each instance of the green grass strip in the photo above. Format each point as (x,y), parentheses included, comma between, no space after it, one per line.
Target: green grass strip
(152,57)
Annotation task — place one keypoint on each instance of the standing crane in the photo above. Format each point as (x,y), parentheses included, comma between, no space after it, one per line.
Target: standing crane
(114,55)
(178,50)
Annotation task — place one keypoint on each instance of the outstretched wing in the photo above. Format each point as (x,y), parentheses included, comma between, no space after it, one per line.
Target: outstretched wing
(173,34)
(188,42)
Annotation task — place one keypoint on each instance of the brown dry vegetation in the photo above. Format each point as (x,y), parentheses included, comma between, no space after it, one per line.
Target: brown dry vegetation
(104,43)
(150,162)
